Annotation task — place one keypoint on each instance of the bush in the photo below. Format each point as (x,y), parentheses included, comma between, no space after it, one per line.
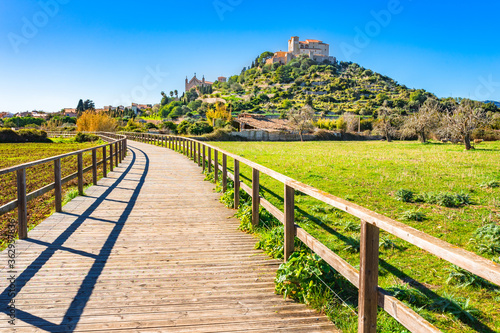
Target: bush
(24,135)
(150,126)
(199,128)
(84,137)
(487,238)
(445,199)
(404,195)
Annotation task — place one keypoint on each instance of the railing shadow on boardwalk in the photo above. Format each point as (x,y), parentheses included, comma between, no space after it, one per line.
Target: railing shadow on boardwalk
(74,312)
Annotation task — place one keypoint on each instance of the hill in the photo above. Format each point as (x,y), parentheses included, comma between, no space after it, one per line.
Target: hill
(331,88)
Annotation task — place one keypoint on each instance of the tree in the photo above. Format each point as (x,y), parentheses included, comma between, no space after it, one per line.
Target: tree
(219,112)
(422,122)
(387,121)
(351,122)
(88,105)
(301,119)
(463,119)
(176,93)
(91,121)
(172,94)
(80,108)
(264,56)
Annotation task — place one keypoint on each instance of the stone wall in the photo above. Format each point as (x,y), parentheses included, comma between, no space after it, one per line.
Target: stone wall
(260,135)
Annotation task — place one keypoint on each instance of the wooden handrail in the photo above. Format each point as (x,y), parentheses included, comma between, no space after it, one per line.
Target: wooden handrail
(366,280)
(120,142)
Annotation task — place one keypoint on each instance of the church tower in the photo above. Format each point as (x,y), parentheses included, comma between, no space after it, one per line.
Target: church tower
(294,46)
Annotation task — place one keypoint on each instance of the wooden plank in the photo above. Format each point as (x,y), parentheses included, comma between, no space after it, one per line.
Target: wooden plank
(216,166)
(224,172)
(368,278)
(58,185)
(80,173)
(255,197)
(111,158)
(209,160)
(236,184)
(22,208)
(204,158)
(94,166)
(289,221)
(104,162)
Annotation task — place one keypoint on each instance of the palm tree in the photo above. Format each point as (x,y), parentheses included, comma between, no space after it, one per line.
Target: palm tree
(171,94)
(176,93)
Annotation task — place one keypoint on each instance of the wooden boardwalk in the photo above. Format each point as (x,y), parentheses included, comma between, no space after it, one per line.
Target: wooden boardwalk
(149,249)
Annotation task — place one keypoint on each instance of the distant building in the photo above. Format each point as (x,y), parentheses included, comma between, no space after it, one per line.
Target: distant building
(38,114)
(222,79)
(6,114)
(315,49)
(69,112)
(195,82)
(140,107)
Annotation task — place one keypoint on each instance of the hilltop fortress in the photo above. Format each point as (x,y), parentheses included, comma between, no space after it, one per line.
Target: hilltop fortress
(315,49)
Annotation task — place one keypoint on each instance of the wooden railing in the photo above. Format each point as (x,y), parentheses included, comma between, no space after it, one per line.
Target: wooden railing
(366,279)
(117,151)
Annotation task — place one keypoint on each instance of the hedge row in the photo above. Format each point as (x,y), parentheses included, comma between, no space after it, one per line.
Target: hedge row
(24,135)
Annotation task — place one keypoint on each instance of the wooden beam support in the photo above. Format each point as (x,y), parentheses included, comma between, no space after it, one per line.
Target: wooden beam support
(289,221)
(236,184)
(224,172)
(80,173)
(58,185)
(255,197)
(22,204)
(368,278)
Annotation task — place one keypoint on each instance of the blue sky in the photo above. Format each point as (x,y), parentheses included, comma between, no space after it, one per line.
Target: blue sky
(54,52)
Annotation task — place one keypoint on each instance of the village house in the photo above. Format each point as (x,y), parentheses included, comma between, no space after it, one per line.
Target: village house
(313,48)
(195,82)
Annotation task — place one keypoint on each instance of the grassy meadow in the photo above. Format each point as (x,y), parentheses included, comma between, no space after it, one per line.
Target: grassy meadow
(454,192)
(38,176)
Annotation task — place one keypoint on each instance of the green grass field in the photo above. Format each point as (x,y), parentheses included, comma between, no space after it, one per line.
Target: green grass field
(38,176)
(370,174)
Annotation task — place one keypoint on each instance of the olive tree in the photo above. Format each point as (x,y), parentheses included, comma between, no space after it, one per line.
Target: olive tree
(460,122)
(388,121)
(421,123)
(301,119)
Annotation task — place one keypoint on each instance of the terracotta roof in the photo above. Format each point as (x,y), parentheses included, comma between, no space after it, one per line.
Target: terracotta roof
(263,123)
(280,54)
(313,41)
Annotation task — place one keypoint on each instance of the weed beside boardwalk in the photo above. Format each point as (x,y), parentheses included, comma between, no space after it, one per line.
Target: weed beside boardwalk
(458,203)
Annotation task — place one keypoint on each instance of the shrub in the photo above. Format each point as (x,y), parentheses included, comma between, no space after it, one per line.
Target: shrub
(487,238)
(413,215)
(199,128)
(445,199)
(404,195)
(150,126)
(85,137)
(24,135)
(91,121)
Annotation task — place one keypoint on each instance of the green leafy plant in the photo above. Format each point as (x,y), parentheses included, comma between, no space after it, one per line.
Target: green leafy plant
(413,215)
(492,183)
(404,195)
(386,243)
(458,307)
(487,238)
(463,278)
(351,226)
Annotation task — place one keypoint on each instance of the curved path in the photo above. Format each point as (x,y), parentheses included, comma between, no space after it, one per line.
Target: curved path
(149,249)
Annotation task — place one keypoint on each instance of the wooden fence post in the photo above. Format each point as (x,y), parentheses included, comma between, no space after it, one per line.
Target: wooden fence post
(236,184)
(22,208)
(199,154)
(94,166)
(368,278)
(111,157)
(204,158)
(80,173)
(289,221)
(116,154)
(216,165)
(255,197)
(195,155)
(104,162)
(224,172)
(209,159)
(119,147)
(57,185)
